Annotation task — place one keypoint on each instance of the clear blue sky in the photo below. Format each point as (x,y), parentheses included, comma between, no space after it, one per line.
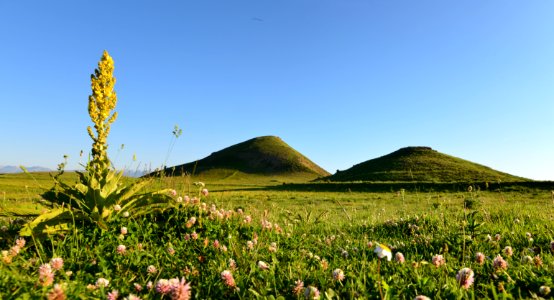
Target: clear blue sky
(340,81)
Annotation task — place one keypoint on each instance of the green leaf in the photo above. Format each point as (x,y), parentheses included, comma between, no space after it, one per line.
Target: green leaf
(53,221)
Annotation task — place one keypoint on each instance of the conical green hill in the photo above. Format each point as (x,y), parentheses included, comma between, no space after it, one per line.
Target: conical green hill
(266,155)
(421,164)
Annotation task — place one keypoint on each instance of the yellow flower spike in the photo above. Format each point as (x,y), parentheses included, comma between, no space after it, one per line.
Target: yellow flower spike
(101,103)
(383,251)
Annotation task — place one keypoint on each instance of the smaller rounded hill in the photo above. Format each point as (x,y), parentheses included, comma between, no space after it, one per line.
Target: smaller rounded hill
(421,164)
(265,156)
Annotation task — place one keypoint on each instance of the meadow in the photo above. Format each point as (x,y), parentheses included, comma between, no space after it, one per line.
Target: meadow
(252,241)
(96,234)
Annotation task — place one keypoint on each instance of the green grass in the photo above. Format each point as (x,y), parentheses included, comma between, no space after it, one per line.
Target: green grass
(421,164)
(320,231)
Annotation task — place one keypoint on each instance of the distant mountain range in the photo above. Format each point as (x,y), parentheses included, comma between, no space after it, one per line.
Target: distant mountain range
(15,169)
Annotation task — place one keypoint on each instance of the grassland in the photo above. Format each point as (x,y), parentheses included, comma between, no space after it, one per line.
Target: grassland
(304,236)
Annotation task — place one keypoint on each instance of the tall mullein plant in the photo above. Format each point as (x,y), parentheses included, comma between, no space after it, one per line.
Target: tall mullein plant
(100,193)
(100,108)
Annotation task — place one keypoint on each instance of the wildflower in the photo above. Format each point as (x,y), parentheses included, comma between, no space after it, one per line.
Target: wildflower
(537,260)
(489,238)
(186,199)
(20,242)
(247,219)
(324,264)
(228,279)
(383,251)
(526,259)
(465,277)
(224,248)
(181,290)
(508,251)
(126,214)
(56,263)
(529,235)
(173,193)
(117,207)
(272,247)
(299,286)
(205,192)
(140,246)
(499,263)
(544,290)
(6,257)
(57,293)
(249,245)
(239,211)
(121,249)
(480,258)
(102,282)
(45,275)
(266,224)
(216,244)
(179,199)
(137,286)
(131,297)
(338,275)
(163,286)
(344,253)
(14,250)
(232,264)
(438,260)
(422,297)
(399,257)
(91,287)
(151,269)
(123,230)
(149,285)
(113,295)
(194,235)
(311,292)
(68,273)
(262,265)
(497,237)
(4,228)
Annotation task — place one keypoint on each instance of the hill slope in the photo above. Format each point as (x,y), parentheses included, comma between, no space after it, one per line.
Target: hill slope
(266,155)
(421,164)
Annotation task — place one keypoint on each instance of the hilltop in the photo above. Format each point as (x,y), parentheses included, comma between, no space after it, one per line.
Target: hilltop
(260,156)
(421,164)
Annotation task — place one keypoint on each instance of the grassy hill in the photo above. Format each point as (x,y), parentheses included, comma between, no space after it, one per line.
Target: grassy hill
(421,164)
(266,156)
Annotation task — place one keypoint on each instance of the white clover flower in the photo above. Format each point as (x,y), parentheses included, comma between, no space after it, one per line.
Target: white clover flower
(383,251)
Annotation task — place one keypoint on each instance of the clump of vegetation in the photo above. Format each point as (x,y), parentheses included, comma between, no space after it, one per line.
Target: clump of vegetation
(100,192)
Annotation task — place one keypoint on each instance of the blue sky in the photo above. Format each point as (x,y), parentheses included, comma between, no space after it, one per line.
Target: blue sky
(340,81)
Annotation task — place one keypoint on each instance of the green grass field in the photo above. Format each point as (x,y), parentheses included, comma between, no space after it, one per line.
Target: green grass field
(307,238)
